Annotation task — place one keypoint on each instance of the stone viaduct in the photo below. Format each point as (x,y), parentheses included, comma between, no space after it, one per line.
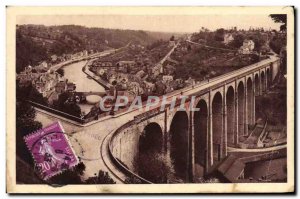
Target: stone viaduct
(196,140)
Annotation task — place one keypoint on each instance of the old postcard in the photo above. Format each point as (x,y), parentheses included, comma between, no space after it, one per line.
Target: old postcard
(150,100)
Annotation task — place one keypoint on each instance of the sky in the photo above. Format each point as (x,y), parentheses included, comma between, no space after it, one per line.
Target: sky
(162,23)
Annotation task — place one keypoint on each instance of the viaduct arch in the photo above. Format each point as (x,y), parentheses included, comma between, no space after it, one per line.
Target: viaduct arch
(250,102)
(217,126)
(263,84)
(231,133)
(241,109)
(150,145)
(200,137)
(151,139)
(179,146)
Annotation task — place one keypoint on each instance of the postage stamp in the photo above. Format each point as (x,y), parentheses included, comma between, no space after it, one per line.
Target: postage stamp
(51,150)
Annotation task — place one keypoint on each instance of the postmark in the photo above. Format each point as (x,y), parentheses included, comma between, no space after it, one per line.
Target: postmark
(51,150)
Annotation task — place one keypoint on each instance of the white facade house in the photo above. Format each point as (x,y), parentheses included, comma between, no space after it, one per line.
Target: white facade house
(247,47)
(167,78)
(228,38)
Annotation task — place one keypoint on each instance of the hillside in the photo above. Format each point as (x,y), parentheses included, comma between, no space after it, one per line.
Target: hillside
(164,35)
(36,43)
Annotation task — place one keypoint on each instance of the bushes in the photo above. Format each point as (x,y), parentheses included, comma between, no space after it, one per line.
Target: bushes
(61,71)
(155,167)
(64,105)
(28,52)
(70,176)
(102,178)
(30,93)
(274,105)
(25,124)
(73,176)
(238,41)
(277,43)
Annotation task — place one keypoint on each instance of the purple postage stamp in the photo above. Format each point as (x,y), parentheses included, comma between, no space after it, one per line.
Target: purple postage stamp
(51,150)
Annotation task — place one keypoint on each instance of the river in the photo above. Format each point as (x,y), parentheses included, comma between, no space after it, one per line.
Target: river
(74,74)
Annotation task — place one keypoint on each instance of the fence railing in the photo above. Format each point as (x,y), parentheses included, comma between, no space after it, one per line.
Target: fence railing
(57,112)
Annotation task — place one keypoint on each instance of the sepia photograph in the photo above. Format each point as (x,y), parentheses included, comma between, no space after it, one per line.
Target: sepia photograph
(150,99)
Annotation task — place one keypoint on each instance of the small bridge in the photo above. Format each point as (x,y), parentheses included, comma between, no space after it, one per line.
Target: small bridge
(91,93)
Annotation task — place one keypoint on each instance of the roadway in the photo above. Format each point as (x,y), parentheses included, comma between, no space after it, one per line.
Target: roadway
(92,56)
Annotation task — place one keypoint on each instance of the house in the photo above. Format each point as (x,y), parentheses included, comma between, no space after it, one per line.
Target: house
(249,44)
(112,78)
(135,88)
(102,65)
(101,71)
(43,87)
(42,67)
(171,86)
(61,87)
(85,53)
(148,88)
(160,88)
(230,169)
(228,38)
(158,69)
(53,58)
(61,59)
(126,65)
(247,47)
(122,69)
(71,87)
(141,74)
(171,43)
(190,82)
(53,97)
(46,83)
(167,78)
(26,78)
(180,83)
(129,95)
(122,79)
(68,56)
(172,61)
(169,69)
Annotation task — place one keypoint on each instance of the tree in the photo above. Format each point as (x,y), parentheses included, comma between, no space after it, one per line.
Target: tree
(219,35)
(238,41)
(28,52)
(102,178)
(277,43)
(25,119)
(66,105)
(172,38)
(155,167)
(25,124)
(70,176)
(61,71)
(37,97)
(30,93)
(258,41)
(280,18)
